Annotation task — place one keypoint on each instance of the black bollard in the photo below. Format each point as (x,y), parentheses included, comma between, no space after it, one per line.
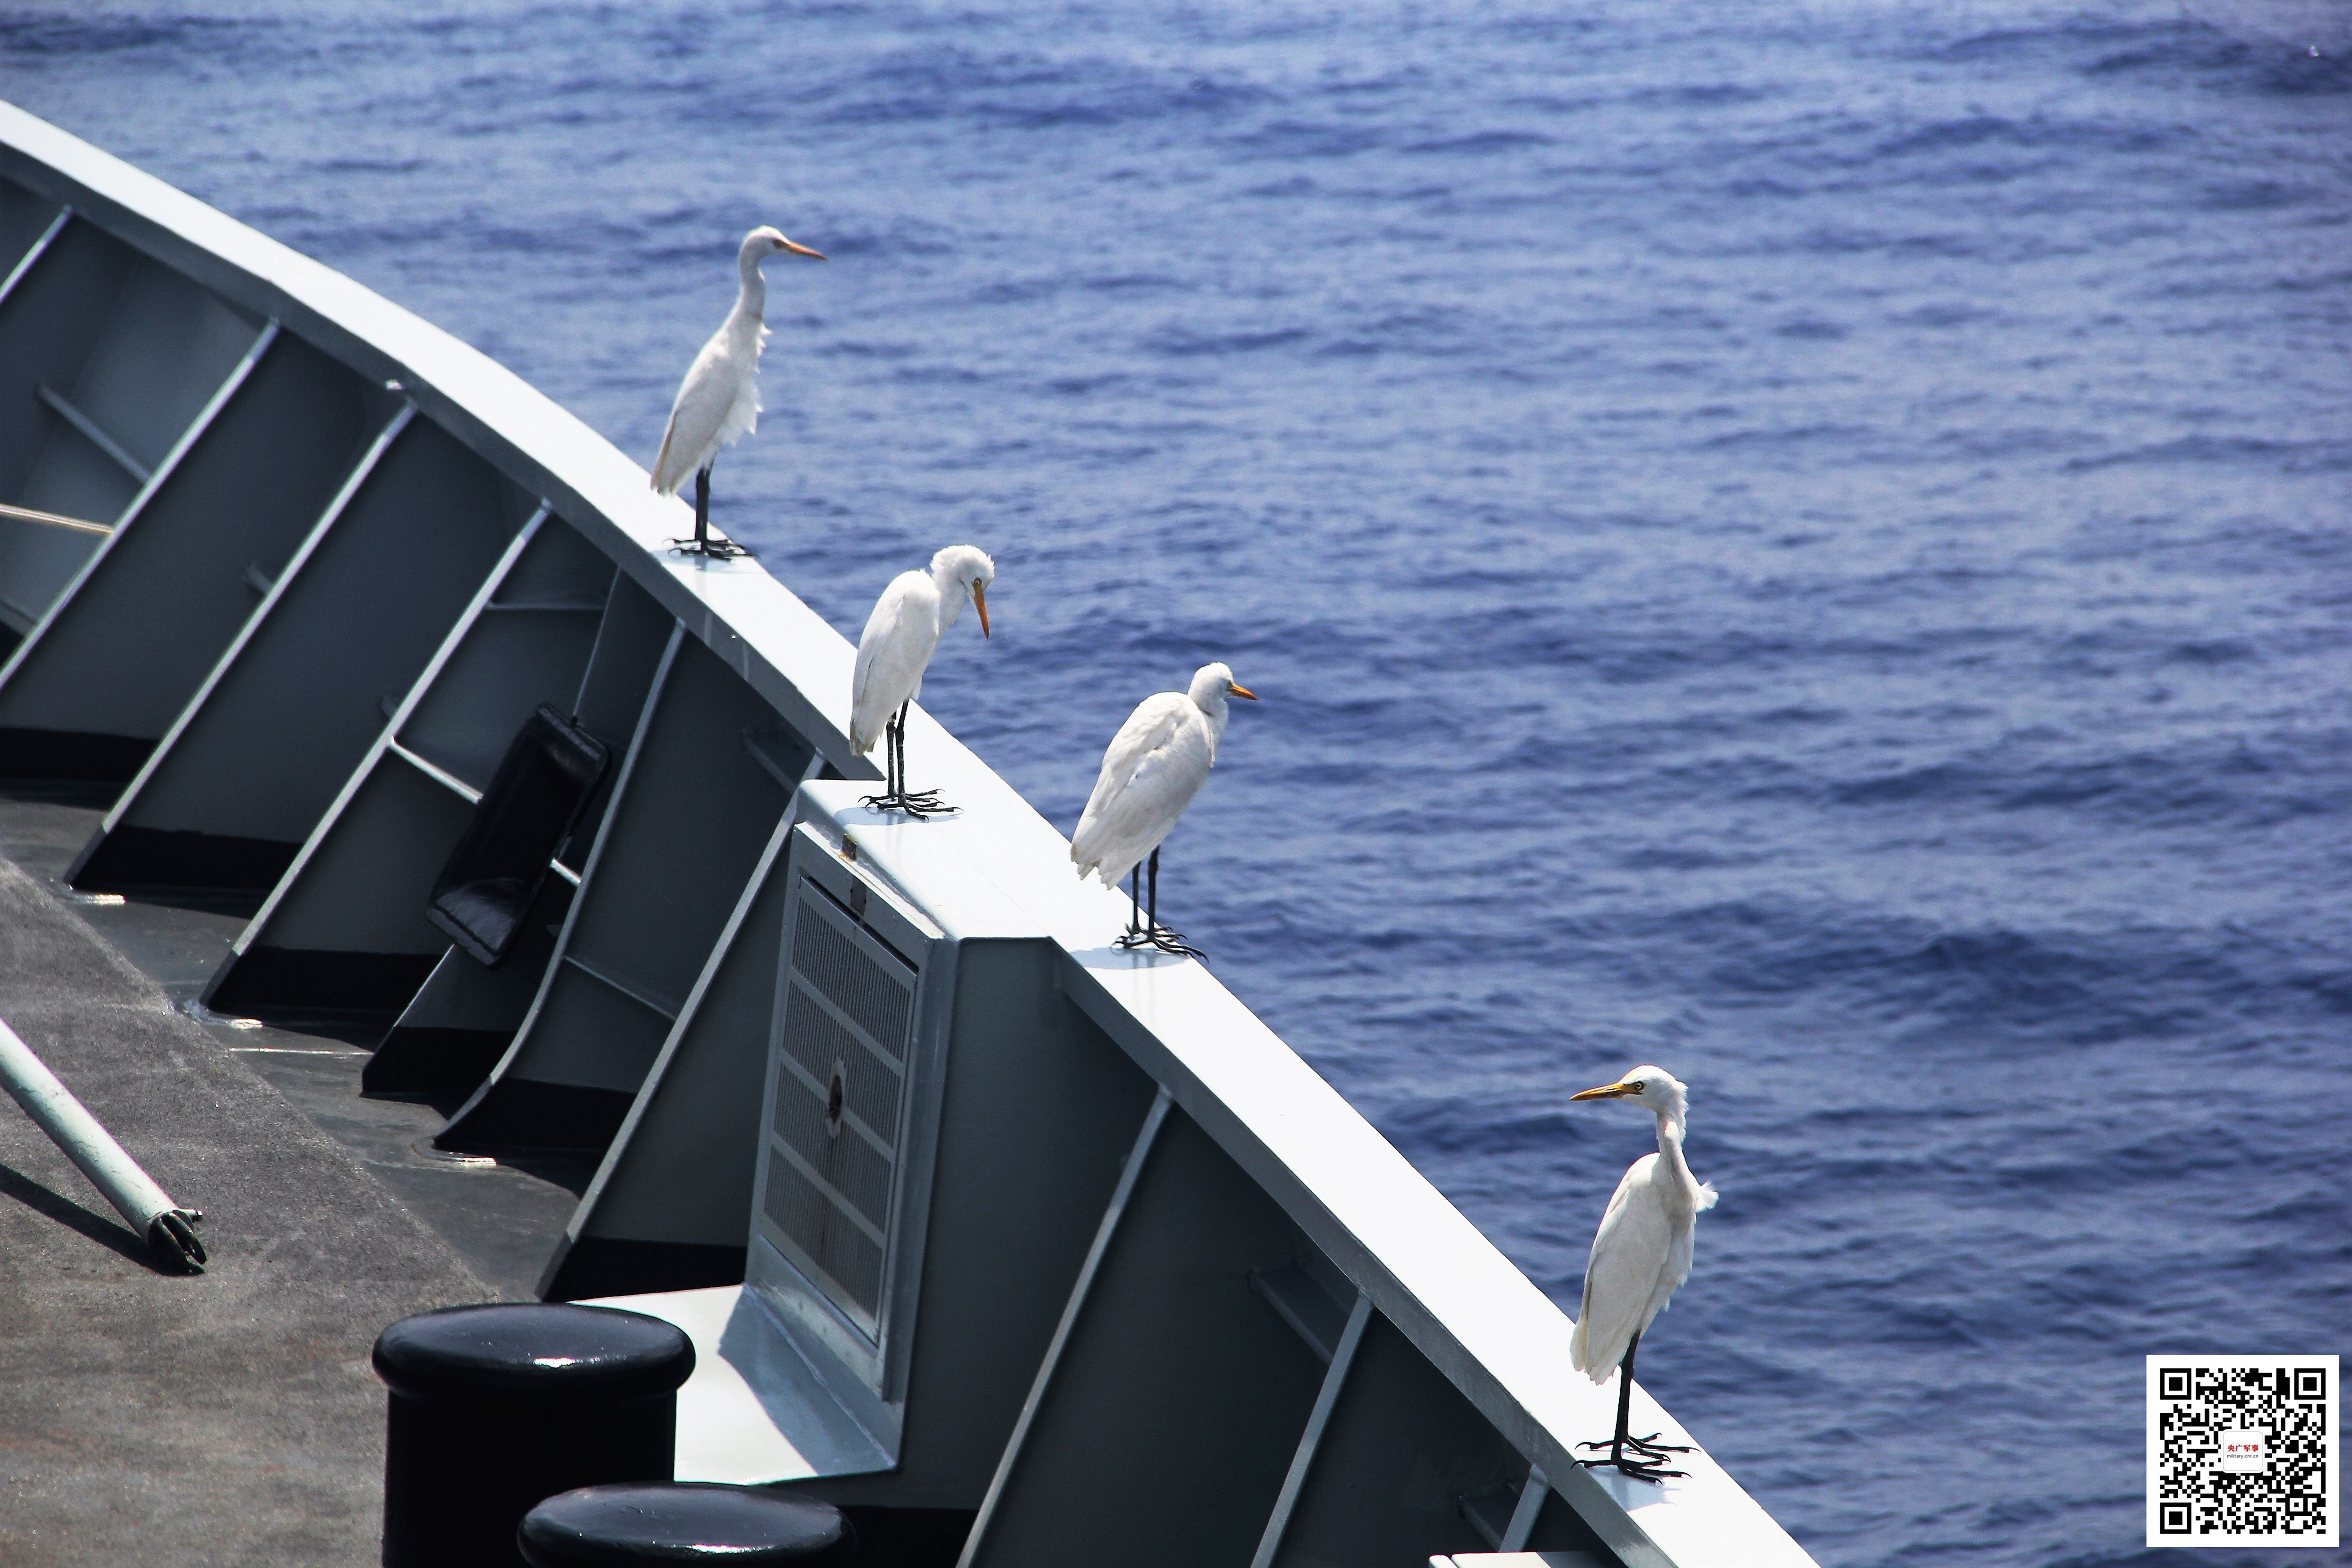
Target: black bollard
(496,1407)
(684,1522)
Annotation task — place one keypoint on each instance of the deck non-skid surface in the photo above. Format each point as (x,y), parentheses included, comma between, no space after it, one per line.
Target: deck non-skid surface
(502,1219)
(156,1418)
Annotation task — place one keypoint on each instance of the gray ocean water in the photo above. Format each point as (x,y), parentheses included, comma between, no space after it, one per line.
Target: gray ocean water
(1804,543)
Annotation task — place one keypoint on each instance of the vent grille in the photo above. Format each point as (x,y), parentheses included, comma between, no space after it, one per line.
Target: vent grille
(839,1097)
(840,963)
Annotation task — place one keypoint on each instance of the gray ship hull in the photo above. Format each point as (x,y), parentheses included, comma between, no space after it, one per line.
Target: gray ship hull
(971,1210)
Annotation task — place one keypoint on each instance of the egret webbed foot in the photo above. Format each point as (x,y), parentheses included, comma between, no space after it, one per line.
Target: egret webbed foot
(1633,1468)
(1160,939)
(716,548)
(896,795)
(1143,927)
(923,803)
(701,544)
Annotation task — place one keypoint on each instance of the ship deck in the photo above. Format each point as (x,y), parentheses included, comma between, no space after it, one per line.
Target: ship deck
(229,1416)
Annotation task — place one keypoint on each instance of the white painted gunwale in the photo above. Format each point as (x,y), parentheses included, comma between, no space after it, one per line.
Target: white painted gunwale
(1426,1267)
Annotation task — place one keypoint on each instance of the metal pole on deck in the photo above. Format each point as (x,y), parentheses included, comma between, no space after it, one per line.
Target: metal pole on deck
(52,1107)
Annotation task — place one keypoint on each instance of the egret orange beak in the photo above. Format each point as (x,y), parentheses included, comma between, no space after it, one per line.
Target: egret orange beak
(1241,691)
(804,250)
(979,602)
(1610,1091)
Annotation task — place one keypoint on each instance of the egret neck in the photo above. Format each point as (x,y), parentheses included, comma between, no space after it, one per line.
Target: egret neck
(1208,694)
(953,578)
(753,301)
(1670,1155)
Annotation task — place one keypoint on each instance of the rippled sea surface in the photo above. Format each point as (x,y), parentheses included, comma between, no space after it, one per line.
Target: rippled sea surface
(1805,543)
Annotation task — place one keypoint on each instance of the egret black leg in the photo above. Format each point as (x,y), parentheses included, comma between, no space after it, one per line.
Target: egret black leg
(1645,1449)
(1164,938)
(1137,934)
(702,543)
(926,803)
(1649,1444)
(1147,930)
(894,795)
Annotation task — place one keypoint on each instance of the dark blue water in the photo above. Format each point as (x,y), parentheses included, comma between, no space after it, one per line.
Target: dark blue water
(1804,542)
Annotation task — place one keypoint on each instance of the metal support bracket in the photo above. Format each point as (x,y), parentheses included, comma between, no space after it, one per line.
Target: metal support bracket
(33,252)
(1128,1176)
(93,432)
(1523,1517)
(1326,1398)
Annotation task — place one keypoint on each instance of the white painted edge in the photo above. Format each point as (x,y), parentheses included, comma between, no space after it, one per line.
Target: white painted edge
(756,626)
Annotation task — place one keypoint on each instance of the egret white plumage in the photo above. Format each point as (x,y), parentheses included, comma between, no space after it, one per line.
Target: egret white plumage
(1641,1252)
(1156,765)
(719,401)
(914,612)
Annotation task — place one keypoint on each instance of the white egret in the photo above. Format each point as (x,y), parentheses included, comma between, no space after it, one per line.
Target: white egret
(719,398)
(1641,1253)
(1156,765)
(914,612)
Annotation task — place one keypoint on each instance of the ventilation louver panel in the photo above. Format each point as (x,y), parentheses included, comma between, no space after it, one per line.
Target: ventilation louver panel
(840,1099)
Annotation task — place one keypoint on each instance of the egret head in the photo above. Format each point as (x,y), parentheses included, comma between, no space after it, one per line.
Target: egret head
(1655,1089)
(1211,684)
(763,242)
(963,572)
